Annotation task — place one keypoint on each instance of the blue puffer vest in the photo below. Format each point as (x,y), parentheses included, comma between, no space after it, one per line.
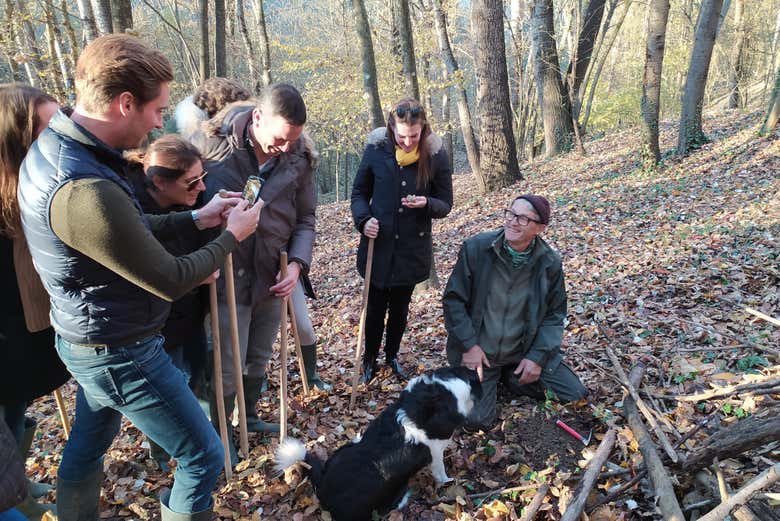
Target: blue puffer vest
(90,304)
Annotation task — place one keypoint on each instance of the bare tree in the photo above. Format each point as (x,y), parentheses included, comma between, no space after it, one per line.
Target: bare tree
(657,18)
(265,47)
(28,45)
(556,108)
(773,114)
(581,59)
(88,26)
(73,56)
(220,56)
(461,97)
(102,11)
(370,86)
(60,69)
(498,157)
(257,84)
(691,133)
(736,99)
(122,15)
(203,57)
(403,24)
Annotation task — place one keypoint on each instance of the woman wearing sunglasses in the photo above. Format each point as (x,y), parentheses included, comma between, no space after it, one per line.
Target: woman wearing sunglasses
(404,180)
(167,177)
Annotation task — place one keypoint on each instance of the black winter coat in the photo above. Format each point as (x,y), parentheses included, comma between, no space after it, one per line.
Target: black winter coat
(403,250)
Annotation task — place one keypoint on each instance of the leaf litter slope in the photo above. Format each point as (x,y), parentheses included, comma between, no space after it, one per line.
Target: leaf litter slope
(664,261)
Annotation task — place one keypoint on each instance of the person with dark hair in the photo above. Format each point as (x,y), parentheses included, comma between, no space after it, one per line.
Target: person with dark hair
(168,176)
(267,141)
(111,282)
(29,365)
(208,99)
(504,309)
(403,182)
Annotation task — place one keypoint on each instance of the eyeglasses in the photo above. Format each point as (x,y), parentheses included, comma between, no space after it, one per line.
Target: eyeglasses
(413,111)
(192,184)
(521,220)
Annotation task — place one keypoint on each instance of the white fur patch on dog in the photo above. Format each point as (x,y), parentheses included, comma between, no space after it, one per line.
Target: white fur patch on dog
(414,434)
(461,390)
(289,452)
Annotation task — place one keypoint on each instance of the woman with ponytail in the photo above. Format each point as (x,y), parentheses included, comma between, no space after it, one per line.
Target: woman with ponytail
(403,182)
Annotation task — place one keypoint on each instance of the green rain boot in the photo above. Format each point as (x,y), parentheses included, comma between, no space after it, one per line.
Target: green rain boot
(166,514)
(37,490)
(230,401)
(251,396)
(309,354)
(79,500)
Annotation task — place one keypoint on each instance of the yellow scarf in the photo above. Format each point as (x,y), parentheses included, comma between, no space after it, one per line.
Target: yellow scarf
(406,158)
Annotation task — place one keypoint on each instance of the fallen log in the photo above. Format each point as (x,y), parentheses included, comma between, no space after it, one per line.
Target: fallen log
(725,391)
(662,484)
(735,439)
(741,496)
(577,505)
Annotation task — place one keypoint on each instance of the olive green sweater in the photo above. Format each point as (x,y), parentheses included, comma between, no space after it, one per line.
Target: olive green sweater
(97,218)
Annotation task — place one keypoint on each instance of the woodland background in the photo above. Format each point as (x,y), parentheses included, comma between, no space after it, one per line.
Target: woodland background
(650,125)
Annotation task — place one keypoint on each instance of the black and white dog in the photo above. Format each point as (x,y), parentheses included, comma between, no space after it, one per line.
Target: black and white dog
(372,472)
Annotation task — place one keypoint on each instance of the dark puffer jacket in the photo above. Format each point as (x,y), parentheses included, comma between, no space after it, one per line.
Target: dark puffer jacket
(90,304)
(403,250)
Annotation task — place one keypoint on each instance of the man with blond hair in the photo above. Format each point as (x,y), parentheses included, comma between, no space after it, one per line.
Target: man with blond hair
(110,281)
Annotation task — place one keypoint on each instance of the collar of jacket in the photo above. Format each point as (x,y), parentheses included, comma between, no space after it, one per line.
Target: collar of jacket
(381,139)
(63,125)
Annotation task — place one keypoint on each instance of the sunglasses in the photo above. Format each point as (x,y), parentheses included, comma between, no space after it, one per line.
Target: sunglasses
(413,112)
(192,184)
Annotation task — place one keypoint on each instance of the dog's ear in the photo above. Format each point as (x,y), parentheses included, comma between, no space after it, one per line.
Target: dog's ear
(436,411)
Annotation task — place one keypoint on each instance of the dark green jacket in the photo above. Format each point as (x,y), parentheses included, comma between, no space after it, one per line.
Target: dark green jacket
(467,291)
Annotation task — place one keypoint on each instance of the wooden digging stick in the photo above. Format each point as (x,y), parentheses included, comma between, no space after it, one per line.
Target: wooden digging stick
(298,352)
(230,286)
(283,357)
(63,412)
(362,326)
(218,389)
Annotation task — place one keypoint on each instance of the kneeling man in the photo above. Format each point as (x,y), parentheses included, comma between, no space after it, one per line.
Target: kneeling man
(504,308)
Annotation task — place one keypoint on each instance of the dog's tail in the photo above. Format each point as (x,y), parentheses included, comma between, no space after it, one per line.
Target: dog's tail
(292,451)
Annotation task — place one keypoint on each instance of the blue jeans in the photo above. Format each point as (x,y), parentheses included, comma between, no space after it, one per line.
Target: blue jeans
(140,382)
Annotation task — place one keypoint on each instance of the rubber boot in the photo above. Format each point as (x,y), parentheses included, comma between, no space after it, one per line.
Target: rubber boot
(229,403)
(251,396)
(37,490)
(79,500)
(35,511)
(166,514)
(309,354)
(159,455)
(369,367)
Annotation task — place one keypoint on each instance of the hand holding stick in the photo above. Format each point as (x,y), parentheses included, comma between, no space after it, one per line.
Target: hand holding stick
(362,326)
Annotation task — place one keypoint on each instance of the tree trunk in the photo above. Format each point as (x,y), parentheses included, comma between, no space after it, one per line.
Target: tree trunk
(257,84)
(409,70)
(88,26)
(454,75)
(737,57)
(556,110)
(203,62)
(102,11)
(691,133)
(220,56)
(30,47)
(370,87)
(265,48)
(122,15)
(579,65)
(446,116)
(773,114)
(55,73)
(73,56)
(62,71)
(498,161)
(657,18)
(597,73)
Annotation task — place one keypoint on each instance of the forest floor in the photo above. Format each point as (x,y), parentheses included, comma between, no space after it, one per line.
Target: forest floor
(659,267)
